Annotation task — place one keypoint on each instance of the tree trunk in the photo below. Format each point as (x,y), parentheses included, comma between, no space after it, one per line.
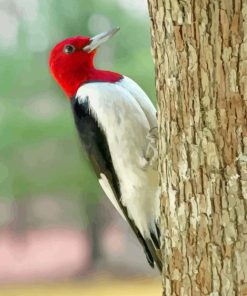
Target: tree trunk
(200,52)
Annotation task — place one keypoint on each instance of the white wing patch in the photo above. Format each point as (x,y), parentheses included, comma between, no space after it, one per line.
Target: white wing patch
(126,115)
(109,193)
(142,99)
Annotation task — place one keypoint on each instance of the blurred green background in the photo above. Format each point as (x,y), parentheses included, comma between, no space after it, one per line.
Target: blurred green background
(45,179)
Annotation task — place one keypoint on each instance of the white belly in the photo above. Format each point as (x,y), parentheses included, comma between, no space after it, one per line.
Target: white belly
(126,127)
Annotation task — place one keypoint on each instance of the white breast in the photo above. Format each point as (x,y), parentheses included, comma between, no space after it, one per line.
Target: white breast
(126,115)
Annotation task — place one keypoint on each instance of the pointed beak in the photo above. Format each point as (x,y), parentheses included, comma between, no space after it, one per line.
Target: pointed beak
(97,40)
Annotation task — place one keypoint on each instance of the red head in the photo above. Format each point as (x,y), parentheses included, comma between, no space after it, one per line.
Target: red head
(71,62)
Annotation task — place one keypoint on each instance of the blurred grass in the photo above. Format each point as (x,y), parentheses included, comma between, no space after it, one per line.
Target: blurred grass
(147,287)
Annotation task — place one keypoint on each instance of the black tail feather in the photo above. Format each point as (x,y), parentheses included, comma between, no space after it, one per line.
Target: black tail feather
(155,252)
(155,239)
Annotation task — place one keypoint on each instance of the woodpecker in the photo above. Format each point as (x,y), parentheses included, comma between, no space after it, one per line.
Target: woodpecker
(116,123)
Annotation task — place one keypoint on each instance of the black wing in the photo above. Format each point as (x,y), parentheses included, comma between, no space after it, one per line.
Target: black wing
(95,143)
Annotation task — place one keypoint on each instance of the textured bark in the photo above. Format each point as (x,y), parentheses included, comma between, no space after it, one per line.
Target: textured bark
(200,52)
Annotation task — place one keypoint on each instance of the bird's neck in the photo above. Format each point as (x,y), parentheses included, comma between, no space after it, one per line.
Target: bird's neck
(103,76)
(71,83)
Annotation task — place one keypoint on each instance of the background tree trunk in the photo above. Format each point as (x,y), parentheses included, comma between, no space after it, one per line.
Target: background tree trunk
(200,51)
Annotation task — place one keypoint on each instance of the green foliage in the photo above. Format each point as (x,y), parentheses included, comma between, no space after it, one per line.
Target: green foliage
(39,149)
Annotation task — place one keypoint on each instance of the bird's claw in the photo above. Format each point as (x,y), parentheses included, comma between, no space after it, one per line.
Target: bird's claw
(151,153)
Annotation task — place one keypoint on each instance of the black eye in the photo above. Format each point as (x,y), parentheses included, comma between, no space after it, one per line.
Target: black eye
(68,49)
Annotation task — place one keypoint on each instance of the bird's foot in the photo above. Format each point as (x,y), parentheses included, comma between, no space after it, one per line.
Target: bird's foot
(151,154)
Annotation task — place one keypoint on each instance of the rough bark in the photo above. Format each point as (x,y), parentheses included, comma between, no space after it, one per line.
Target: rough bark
(200,52)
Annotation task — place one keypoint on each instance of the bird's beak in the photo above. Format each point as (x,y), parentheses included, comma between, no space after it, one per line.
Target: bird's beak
(97,40)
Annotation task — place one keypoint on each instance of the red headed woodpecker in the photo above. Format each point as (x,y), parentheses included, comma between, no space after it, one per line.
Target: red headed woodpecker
(114,118)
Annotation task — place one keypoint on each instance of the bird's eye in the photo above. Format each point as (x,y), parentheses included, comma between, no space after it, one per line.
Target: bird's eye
(68,49)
